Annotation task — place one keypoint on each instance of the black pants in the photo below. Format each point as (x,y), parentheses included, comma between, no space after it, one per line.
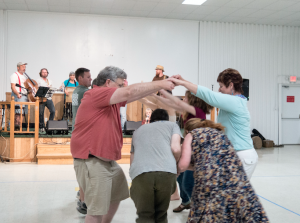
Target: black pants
(151,193)
(49,104)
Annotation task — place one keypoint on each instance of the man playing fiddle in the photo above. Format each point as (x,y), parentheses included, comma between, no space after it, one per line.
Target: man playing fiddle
(17,80)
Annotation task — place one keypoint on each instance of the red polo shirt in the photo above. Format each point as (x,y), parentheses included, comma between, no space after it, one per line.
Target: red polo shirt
(98,126)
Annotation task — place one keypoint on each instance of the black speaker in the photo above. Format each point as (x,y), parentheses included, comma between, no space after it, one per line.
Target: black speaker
(131,126)
(245,88)
(57,127)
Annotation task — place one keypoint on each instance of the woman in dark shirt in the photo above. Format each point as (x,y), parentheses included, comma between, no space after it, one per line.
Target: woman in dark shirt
(190,107)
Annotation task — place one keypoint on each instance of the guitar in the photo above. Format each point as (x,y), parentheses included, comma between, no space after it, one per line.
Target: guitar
(32,87)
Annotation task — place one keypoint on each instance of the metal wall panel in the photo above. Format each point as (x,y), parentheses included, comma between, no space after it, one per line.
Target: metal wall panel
(260,53)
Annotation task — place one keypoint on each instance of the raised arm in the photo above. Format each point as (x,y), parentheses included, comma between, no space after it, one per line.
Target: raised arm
(186,153)
(136,91)
(188,85)
(148,103)
(222,101)
(179,104)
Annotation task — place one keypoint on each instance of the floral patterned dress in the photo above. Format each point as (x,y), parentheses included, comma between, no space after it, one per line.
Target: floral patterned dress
(222,191)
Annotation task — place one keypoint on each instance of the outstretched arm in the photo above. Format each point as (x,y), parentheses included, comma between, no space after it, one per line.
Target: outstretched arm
(176,103)
(188,85)
(137,91)
(148,103)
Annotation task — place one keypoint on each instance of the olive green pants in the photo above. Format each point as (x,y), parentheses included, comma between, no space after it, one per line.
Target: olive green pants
(151,193)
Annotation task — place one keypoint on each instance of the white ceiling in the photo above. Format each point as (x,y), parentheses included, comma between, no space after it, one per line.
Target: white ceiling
(274,12)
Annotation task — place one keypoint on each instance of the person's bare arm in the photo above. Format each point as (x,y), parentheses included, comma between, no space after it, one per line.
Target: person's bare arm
(175,146)
(136,91)
(148,103)
(131,158)
(184,162)
(13,89)
(188,85)
(179,103)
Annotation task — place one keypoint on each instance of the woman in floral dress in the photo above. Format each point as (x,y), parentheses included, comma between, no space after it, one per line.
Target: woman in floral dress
(222,192)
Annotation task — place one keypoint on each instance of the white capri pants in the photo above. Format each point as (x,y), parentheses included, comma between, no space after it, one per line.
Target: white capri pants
(249,159)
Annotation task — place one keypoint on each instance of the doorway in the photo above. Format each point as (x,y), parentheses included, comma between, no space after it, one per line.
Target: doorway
(289,114)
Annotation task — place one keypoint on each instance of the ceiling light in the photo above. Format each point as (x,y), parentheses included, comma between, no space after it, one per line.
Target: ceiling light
(193,2)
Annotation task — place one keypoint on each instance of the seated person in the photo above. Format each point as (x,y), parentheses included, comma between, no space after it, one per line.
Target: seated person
(154,153)
(71,82)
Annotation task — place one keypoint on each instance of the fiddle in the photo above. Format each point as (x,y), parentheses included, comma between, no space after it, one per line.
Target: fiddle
(32,87)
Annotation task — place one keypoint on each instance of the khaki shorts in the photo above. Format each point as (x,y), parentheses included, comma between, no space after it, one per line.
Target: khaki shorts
(102,183)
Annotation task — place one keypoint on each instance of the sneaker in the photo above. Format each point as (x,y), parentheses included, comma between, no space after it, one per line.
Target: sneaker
(181,207)
(81,207)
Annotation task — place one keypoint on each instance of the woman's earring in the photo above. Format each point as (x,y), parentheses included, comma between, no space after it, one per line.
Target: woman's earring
(231,92)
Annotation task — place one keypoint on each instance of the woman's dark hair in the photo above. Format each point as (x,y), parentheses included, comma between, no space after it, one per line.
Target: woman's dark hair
(196,102)
(159,115)
(231,75)
(42,70)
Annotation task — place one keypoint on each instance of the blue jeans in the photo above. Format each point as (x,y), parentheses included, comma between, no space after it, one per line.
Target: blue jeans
(22,99)
(186,184)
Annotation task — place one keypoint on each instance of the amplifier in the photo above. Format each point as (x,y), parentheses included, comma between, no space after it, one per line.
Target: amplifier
(57,127)
(131,126)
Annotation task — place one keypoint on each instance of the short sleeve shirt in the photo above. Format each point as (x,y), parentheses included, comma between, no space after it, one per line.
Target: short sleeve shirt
(15,80)
(41,82)
(67,83)
(76,101)
(97,129)
(199,114)
(151,145)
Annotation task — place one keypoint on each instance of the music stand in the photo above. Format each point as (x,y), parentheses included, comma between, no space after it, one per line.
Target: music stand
(42,91)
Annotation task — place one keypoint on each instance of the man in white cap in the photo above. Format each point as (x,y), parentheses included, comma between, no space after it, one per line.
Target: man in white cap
(17,80)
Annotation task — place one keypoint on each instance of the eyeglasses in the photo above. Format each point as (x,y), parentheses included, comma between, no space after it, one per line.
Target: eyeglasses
(120,85)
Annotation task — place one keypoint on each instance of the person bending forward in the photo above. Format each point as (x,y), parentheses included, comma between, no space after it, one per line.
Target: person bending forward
(154,152)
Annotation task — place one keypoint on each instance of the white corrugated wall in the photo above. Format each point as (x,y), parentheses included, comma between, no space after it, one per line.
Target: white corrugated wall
(260,53)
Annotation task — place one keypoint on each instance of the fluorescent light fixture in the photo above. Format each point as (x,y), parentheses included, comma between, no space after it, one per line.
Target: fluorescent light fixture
(193,2)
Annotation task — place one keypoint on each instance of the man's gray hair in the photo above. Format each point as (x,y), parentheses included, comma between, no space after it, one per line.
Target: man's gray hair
(111,73)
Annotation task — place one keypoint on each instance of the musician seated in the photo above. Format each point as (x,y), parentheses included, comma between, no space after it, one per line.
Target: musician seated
(19,91)
(43,81)
(71,82)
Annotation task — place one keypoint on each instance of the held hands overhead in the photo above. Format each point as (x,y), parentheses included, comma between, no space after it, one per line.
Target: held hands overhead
(170,83)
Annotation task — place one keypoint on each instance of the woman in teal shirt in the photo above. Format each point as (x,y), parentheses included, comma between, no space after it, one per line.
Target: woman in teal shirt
(234,114)
(71,82)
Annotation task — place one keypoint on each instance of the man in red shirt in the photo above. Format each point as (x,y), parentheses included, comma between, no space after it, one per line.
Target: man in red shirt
(97,141)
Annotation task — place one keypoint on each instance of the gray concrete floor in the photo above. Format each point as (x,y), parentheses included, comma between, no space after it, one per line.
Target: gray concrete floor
(33,193)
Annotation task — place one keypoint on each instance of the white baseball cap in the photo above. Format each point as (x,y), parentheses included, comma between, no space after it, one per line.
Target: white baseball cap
(21,63)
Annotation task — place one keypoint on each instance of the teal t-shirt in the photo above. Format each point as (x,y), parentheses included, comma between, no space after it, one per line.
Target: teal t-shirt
(76,101)
(67,83)
(233,115)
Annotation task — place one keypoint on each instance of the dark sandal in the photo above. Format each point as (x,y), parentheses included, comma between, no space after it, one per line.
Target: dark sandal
(181,207)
